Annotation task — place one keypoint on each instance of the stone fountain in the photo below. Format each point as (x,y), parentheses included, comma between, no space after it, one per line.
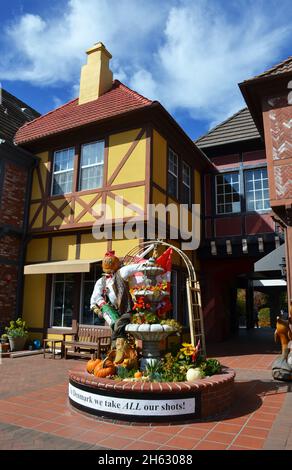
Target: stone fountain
(150,334)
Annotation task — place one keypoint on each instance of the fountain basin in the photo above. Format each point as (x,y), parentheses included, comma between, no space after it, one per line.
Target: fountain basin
(151,335)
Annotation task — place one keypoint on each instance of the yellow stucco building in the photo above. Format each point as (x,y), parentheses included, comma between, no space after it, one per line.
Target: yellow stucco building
(108,153)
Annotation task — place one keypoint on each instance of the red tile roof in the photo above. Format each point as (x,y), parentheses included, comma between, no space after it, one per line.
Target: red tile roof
(284,67)
(118,100)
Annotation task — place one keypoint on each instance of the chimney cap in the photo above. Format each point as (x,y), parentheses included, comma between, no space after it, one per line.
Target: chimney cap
(99,46)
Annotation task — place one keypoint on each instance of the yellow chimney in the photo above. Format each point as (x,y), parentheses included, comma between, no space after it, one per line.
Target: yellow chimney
(96,77)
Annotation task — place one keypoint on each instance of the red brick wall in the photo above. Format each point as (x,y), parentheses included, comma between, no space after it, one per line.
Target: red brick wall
(11,213)
(8,289)
(13,195)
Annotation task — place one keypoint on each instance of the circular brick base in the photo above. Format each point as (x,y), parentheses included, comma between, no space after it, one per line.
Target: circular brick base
(149,401)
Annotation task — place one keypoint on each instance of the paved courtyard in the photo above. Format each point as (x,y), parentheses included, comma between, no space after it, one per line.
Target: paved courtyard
(35,413)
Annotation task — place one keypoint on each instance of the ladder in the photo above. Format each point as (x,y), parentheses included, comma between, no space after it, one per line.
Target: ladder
(196,314)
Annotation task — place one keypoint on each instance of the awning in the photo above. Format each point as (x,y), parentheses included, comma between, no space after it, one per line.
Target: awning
(60,267)
(272,261)
(269,283)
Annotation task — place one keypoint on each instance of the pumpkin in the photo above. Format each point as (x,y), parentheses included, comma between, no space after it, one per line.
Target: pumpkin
(194,374)
(138,375)
(100,371)
(90,366)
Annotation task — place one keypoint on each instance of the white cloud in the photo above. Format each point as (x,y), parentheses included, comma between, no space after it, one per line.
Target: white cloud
(188,54)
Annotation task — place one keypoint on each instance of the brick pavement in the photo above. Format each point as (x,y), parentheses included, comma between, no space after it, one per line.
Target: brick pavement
(35,414)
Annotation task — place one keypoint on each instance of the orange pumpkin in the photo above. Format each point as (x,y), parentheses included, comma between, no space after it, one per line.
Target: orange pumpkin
(104,371)
(90,366)
(138,375)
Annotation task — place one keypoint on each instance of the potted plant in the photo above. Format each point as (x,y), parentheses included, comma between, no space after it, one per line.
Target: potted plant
(4,343)
(17,334)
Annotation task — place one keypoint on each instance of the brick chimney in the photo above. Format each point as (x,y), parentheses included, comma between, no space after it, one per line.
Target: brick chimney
(96,77)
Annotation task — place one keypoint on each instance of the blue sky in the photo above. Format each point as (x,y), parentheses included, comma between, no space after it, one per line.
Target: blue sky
(188,54)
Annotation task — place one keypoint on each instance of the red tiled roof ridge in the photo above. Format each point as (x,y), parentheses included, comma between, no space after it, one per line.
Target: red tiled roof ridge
(132,92)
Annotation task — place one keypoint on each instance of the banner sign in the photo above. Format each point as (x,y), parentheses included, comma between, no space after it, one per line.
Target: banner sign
(131,406)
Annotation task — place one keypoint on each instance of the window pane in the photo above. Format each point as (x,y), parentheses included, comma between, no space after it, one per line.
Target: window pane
(186,195)
(63,300)
(63,171)
(63,183)
(172,162)
(92,159)
(92,153)
(91,177)
(64,160)
(256,188)
(86,315)
(186,174)
(172,185)
(228,193)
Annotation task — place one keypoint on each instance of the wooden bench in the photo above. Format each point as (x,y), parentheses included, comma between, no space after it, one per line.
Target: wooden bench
(89,340)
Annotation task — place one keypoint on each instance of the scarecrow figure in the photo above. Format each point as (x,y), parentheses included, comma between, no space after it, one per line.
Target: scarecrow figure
(111,298)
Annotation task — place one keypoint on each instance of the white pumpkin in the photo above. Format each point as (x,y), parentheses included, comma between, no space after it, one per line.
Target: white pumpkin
(194,374)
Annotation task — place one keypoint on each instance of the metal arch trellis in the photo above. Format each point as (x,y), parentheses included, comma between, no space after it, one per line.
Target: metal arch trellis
(192,287)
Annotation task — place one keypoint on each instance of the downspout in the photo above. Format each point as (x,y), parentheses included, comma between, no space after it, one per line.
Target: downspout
(24,240)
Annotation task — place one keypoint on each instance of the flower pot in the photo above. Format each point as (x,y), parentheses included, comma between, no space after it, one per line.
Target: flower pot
(17,343)
(4,348)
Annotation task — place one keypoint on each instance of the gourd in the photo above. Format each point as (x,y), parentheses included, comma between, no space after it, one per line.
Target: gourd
(91,364)
(194,374)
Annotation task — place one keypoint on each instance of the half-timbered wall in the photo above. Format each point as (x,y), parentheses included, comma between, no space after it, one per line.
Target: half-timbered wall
(123,179)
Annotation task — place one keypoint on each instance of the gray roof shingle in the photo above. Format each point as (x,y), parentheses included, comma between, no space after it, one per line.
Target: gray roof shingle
(237,128)
(13,114)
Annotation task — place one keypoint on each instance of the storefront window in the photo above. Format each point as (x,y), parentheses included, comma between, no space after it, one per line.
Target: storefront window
(87,316)
(173,297)
(186,320)
(62,300)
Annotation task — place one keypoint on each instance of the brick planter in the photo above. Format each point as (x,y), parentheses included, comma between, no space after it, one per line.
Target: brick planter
(150,401)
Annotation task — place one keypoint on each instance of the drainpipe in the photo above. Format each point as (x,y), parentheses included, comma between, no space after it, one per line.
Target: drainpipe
(24,239)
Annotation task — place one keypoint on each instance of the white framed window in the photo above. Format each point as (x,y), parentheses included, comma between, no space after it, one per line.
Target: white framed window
(172,173)
(88,280)
(257,190)
(186,183)
(63,296)
(228,193)
(63,169)
(91,165)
